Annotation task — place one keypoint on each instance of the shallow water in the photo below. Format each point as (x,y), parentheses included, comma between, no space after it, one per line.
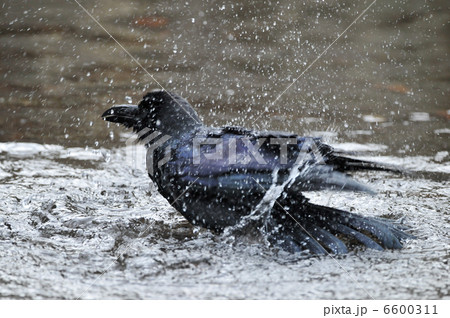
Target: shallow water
(78,223)
(78,219)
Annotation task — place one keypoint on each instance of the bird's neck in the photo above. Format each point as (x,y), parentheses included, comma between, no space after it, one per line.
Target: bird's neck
(177,118)
(177,126)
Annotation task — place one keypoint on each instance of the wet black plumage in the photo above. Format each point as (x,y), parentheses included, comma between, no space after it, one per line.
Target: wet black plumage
(251,179)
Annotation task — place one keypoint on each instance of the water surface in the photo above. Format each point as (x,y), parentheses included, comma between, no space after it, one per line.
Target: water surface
(78,220)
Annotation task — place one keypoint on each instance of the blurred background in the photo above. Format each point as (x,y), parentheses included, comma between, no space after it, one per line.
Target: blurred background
(389,74)
(78,221)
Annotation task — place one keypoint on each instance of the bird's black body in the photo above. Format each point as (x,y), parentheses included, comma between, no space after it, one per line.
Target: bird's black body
(216,177)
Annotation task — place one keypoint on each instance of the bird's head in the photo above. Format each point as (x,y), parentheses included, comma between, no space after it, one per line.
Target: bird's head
(159,110)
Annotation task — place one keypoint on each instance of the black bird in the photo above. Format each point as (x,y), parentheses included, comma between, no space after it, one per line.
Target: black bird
(223,177)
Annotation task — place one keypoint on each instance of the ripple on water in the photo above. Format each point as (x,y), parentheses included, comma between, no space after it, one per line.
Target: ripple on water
(69,219)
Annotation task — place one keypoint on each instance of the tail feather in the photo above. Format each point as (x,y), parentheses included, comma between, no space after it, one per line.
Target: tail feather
(400,234)
(363,239)
(319,226)
(292,239)
(309,243)
(376,227)
(326,238)
(350,164)
(343,163)
(320,177)
(286,242)
(381,231)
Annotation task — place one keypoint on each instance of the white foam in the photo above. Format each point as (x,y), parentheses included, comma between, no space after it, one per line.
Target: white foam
(356,147)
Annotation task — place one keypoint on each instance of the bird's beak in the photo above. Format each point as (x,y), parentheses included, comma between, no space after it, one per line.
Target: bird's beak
(127,115)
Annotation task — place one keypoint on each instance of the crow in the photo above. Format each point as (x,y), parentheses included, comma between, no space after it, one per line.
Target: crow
(220,178)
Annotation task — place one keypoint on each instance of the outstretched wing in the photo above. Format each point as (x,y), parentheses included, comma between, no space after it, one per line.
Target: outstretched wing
(235,158)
